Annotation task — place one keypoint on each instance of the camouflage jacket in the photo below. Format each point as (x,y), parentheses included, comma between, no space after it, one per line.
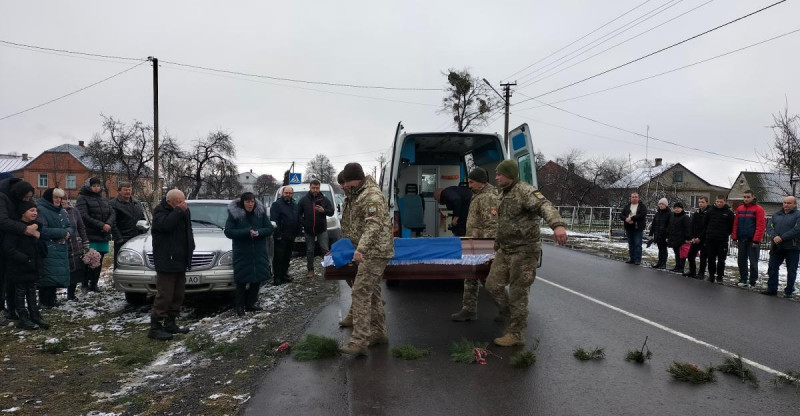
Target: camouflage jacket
(345,221)
(368,225)
(482,218)
(521,206)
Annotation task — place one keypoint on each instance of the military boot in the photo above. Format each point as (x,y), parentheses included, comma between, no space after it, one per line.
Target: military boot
(509,340)
(157,330)
(464,315)
(347,321)
(379,339)
(36,317)
(172,327)
(25,322)
(352,349)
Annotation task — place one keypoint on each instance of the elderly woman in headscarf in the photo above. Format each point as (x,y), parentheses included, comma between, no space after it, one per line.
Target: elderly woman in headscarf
(78,245)
(55,233)
(248,226)
(99,218)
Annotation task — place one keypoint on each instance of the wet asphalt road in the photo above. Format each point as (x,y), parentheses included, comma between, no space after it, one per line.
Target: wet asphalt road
(763,329)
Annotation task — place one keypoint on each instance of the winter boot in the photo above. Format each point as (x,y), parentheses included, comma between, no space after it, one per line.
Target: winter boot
(251,299)
(379,339)
(310,274)
(347,321)
(509,340)
(71,292)
(157,330)
(36,317)
(172,327)
(25,322)
(464,315)
(353,349)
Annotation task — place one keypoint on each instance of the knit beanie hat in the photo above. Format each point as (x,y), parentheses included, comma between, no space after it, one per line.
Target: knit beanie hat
(352,172)
(479,175)
(663,201)
(93,181)
(340,178)
(509,169)
(678,205)
(24,206)
(48,195)
(20,189)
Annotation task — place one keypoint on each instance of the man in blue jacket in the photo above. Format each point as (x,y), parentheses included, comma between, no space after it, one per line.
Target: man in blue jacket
(784,233)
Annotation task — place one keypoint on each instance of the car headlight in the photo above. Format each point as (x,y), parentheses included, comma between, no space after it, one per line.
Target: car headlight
(226,259)
(130,258)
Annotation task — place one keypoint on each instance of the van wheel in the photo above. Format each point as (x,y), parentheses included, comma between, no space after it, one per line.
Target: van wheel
(134,298)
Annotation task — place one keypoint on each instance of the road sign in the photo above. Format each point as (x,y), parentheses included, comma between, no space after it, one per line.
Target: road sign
(295,179)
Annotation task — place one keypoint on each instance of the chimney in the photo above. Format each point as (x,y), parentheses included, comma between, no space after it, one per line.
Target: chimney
(80,143)
(251,170)
(658,162)
(24,156)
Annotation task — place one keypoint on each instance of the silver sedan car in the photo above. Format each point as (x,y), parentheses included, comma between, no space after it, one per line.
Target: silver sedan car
(212,259)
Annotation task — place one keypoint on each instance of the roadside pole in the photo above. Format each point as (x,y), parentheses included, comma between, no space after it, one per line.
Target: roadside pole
(156,183)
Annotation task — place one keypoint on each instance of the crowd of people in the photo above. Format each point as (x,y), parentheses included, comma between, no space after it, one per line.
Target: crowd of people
(706,234)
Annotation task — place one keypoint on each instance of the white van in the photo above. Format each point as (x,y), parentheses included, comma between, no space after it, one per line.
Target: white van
(419,163)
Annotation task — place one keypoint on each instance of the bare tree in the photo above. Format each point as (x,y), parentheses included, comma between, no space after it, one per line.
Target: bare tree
(539,159)
(101,159)
(784,152)
(266,185)
(469,101)
(132,146)
(204,157)
(321,169)
(221,180)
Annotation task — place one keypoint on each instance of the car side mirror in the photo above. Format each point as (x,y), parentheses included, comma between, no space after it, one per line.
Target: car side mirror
(338,208)
(142,225)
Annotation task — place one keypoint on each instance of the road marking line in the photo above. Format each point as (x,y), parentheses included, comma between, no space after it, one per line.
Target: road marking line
(664,328)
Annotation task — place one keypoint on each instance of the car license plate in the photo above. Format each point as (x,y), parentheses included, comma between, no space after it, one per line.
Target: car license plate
(193,279)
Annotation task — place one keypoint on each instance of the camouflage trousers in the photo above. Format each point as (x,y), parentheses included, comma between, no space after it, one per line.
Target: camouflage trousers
(369,319)
(518,271)
(472,289)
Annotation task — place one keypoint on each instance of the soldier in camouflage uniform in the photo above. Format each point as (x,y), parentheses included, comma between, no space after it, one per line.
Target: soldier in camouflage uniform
(370,230)
(517,248)
(481,223)
(347,321)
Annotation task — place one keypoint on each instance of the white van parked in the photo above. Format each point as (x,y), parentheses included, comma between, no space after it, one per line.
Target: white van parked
(419,163)
(334,224)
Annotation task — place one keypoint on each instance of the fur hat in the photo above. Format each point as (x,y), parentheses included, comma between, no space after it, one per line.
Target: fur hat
(20,189)
(509,169)
(24,206)
(479,175)
(352,172)
(678,205)
(48,195)
(663,201)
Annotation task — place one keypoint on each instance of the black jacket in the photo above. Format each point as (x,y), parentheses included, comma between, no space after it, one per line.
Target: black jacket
(698,222)
(127,214)
(287,216)
(639,218)
(659,226)
(314,222)
(718,224)
(679,230)
(457,199)
(95,212)
(24,257)
(9,220)
(173,241)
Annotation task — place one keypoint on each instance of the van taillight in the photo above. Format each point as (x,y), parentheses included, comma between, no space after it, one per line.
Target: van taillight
(396,226)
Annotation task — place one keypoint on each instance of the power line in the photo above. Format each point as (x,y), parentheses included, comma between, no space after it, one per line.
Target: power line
(96,55)
(73,92)
(605,38)
(87,58)
(665,72)
(534,81)
(581,38)
(656,52)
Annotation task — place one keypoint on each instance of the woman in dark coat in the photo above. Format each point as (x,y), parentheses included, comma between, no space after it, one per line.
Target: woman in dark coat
(99,219)
(248,226)
(658,232)
(678,234)
(78,245)
(55,234)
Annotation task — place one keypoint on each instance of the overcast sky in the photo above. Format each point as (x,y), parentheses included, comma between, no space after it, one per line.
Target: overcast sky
(723,105)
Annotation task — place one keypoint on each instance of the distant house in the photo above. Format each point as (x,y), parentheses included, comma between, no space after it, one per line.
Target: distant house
(562,186)
(248,181)
(769,188)
(12,163)
(672,181)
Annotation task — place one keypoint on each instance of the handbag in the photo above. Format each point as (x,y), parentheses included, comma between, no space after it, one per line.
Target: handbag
(684,250)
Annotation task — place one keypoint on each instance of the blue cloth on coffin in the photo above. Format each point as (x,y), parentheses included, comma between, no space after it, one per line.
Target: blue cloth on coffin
(404,249)
(342,252)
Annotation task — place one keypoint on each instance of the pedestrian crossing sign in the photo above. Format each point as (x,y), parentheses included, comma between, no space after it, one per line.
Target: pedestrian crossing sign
(295,178)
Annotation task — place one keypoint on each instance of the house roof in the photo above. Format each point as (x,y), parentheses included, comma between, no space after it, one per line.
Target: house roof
(12,163)
(77,152)
(768,187)
(640,175)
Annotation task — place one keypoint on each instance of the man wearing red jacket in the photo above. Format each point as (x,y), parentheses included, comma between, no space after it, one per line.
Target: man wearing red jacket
(748,229)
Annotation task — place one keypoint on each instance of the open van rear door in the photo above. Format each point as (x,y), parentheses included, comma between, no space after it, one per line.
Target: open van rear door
(520,149)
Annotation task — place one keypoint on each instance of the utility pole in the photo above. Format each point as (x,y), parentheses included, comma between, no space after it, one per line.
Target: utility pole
(507,100)
(156,184)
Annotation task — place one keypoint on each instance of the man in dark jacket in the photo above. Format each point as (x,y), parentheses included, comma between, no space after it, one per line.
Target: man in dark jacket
(12,192)
(634,216)
(129,212)
(173,244)
(698,221)
(748,230)
(457,200)
(285,213)
(784,233)
(658,232)
(717,227)
(314,212)
(679,233)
